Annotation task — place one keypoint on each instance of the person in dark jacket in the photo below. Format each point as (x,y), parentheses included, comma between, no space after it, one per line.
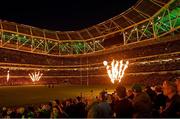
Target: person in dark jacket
(130,95)
(123,107)
(172,109)
(160,99)
(178,85)
(151,93)
(141,103)
(80,106)
(104,108)
(92,108)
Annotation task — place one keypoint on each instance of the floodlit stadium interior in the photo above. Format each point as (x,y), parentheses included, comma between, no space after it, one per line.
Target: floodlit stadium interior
(149,39)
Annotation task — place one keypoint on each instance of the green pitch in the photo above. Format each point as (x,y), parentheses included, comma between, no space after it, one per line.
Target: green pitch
(37,94)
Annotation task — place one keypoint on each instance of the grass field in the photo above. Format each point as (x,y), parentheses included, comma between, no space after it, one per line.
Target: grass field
(36,94)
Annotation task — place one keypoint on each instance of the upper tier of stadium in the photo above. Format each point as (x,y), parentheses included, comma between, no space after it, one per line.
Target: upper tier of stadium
(146,19)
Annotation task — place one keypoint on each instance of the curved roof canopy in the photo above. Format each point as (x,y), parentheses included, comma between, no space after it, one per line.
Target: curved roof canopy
(142,10)
(136,24)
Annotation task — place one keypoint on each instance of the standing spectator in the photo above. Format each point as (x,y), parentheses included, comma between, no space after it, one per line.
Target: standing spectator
(160,100)
(67,108)
(81,112)
(130,95)
(55,113)
(172,109)
(20,112)
(151,93)
(141,103)
(114,98)
(57,104)
(45,112)
(123,107)
(178,85)
(92,108)
(30,112)
(4,112)
(104,108)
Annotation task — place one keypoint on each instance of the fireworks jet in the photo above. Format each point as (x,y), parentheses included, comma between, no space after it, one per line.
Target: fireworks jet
(116,70)
(36,76)
(7,76)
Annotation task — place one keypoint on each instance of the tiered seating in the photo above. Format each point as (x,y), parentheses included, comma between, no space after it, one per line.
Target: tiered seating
(144,60)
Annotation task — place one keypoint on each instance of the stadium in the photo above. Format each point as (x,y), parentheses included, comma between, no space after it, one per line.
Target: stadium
(148,38)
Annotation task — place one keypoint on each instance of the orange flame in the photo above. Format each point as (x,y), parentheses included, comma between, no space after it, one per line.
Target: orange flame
(7,75)
(35,76)
(116,70)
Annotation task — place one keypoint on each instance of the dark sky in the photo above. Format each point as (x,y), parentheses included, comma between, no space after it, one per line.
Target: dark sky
(63,15)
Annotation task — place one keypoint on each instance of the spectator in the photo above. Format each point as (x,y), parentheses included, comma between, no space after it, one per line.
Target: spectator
(178,85)
(130,95)
(81,112)
(4,112)
(151,93)
(172,109)
(20,112)
(55,113)
(92,108)
(160,100)
(45,112)
(141,103)
(30,112)
(113,99)
(99,107)
(104,108)
(123,107)
(68,109)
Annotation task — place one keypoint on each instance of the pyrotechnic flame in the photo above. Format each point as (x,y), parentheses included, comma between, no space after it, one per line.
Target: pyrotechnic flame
(7,75)
(35,76)
(105,63)
(116,70)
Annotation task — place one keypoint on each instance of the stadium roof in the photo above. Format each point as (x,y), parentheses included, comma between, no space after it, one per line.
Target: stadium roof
(142,10)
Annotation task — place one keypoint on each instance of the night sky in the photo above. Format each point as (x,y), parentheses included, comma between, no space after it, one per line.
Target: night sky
(63,15)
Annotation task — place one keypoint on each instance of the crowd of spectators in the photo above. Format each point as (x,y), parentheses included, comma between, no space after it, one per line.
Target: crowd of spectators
(136,102)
